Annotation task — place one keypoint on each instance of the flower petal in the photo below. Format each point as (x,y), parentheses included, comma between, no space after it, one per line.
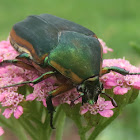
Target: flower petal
(18,112)
(7,113)
(44,102)
(30,97)
(120,90)
(106,113)
(137,85)
(1,131)
(2,97)
(108,105)
(83,111)
(111,83)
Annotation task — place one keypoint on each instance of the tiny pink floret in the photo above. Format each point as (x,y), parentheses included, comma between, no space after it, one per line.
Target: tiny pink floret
(30,97)
(137,85)
(18,112)
(106,113)
(102,107)
(7,113)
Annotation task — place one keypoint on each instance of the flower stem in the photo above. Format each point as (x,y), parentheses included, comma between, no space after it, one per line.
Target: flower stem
(101,127)
(82,136)
(60,125)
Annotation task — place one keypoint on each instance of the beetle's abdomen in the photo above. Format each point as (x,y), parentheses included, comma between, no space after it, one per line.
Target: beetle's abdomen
(38,35)
(77,56)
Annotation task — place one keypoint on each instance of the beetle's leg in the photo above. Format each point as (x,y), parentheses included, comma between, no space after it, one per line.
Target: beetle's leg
(50,107)
(37,80)
(25,57)
(112,100)
(117,69)
(17,63)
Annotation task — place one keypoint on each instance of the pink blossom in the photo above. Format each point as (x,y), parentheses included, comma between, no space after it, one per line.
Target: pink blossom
(67,97)
(106,113)
(1,131)
(120,90)
(44,102)
(18,112)
(41,90)
(137,85)
(7,113)
(30,97)
(10,74)
(102,107)
(83,110)
(120,84)
(12,100)
(105,48)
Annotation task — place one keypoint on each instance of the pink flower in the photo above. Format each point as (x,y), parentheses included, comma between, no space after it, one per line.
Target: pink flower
(102,107)
(1,131)
(18,112)
(137,85)
(67,97)
(12,100)
(105,48)
(41,90)
(30,97)
(10,74)
(7,113)
(120,84)
(120,90)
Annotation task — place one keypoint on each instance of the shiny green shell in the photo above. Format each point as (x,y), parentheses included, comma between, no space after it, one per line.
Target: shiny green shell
(72,49)
(76,56)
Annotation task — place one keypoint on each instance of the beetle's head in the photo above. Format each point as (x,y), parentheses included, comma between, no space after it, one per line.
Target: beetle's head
(91,88)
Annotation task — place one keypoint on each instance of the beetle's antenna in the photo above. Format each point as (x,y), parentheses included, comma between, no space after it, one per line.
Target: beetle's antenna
(35,81)
(112,100)
(51,120)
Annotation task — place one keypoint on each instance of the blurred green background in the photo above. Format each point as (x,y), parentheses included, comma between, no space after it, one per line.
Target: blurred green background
(115,21)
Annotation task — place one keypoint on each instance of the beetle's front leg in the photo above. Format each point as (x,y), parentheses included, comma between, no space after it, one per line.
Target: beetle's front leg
(37,80)
(61,89)
(106,70)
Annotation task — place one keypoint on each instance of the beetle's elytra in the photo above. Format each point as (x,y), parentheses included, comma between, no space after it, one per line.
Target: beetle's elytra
(70,51)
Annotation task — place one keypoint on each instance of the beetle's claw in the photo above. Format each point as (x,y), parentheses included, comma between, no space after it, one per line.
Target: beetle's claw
(51,120)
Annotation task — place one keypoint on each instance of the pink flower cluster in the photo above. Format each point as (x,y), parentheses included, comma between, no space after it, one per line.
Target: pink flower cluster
(12,101)
(40,91)
(102,107)
(120,84)
(8,75)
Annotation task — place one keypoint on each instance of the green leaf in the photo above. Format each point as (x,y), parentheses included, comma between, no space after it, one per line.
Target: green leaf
(25,89)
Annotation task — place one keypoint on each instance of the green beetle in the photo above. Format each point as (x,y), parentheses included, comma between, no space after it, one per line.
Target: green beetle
(60,48)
